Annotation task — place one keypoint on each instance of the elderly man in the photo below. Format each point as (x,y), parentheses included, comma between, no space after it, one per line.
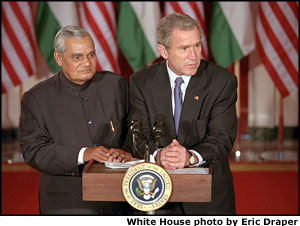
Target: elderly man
(73,117)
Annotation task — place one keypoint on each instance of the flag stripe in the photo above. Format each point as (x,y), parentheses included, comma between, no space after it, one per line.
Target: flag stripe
(286,25)
(276,51)
(15,42)
(14,59)
(10,69)
(268,15)
(19,12)
(294,8)
(96,18)
(47,27)
(273,73)
(108,32)
(98,34)
(223,44)
(136,28)
(105,14)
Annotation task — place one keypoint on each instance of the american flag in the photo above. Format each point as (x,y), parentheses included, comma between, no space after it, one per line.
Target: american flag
(194,10)
(99,19)
(278,43)
(18,59)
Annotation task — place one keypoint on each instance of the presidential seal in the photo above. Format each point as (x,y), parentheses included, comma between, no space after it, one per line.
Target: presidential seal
(147,186)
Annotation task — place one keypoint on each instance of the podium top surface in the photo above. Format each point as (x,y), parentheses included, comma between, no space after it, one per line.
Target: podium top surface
(93,167)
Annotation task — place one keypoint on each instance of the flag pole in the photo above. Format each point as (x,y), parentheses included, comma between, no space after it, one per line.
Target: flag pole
(237,72)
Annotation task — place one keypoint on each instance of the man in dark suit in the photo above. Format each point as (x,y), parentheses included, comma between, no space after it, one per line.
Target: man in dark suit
(73,117)
(197,99)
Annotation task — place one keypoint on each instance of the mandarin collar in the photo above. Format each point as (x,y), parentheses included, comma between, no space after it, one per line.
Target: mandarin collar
(65,81)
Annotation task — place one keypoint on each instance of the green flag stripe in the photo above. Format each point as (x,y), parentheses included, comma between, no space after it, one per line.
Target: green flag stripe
(131,38)
(223,45)
(46,28)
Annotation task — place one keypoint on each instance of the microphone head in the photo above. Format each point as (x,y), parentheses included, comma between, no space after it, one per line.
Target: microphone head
(159,126)
(135,124)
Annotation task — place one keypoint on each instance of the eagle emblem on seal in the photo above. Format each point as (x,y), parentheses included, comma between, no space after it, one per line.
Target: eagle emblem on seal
(146,185)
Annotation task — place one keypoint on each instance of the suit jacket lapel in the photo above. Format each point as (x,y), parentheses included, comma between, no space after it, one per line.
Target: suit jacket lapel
(193,101)
(161,94)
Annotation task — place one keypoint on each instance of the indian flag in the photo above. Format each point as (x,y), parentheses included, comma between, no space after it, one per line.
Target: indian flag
(231,34)
(50,18)
(136,32)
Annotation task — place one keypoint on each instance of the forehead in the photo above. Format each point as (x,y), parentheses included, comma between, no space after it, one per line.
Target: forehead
(76,44)
(185,36)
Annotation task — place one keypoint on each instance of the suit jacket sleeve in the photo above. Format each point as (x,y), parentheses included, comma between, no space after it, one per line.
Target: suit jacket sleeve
(221,125)
(38,148)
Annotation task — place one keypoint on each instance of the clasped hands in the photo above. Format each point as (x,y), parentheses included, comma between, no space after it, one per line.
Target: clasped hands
(101,154)
(173,156)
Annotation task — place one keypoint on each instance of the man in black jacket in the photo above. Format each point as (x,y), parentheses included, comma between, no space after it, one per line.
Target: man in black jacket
(197,99)
(73,117)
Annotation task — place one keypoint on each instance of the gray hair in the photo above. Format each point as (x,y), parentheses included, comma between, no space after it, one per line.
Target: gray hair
(70,31)
(171,22)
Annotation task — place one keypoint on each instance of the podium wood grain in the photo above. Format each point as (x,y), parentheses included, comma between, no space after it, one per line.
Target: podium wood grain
(103,184)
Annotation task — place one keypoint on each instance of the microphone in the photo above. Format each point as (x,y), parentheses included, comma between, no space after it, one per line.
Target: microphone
(135,129)
(158,130)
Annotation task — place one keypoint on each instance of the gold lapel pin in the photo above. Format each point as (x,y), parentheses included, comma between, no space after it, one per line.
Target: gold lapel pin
(196,98)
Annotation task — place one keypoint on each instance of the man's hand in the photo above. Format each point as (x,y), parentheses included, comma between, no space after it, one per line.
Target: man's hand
(101,154)
(98,154)
(173,156)
(118,155)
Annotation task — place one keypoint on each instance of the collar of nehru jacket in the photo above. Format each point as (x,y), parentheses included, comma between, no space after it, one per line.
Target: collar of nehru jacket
(73,85)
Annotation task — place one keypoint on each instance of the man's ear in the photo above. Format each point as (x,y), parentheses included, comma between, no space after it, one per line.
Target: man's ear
(58,58)
(163,51)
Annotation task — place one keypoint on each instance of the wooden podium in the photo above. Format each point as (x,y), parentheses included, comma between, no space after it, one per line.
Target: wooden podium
(104,184)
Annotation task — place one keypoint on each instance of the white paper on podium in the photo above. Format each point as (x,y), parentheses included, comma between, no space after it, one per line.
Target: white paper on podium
(118,165)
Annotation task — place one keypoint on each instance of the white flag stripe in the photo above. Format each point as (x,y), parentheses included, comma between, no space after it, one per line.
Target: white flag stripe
(279,32)
(144,12)
(103,26)
(14,60)
(13,57)
(27,12)
(238,15)
(187,8)
(6,81)
(65,12)
(111,11)
(20,36)
(101,56)
(290,16)
(274,59)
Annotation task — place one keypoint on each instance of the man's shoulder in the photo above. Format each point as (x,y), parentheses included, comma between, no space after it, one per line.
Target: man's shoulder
(108,75)
(149,72)
(44,85)
(108,79)
(216,72)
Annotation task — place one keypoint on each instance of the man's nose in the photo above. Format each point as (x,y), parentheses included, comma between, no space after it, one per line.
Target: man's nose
(86,61)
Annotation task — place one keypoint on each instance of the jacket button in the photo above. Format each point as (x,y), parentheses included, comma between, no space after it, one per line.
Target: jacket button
(85,98)
(90,121)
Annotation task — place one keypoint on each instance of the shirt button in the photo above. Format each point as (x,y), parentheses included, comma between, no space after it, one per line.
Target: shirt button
(85,98)
(90,121)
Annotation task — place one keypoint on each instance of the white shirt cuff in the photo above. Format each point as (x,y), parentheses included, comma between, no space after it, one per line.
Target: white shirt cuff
(80,156)
(200,159)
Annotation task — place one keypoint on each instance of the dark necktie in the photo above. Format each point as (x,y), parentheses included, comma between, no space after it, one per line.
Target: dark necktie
(178,102)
